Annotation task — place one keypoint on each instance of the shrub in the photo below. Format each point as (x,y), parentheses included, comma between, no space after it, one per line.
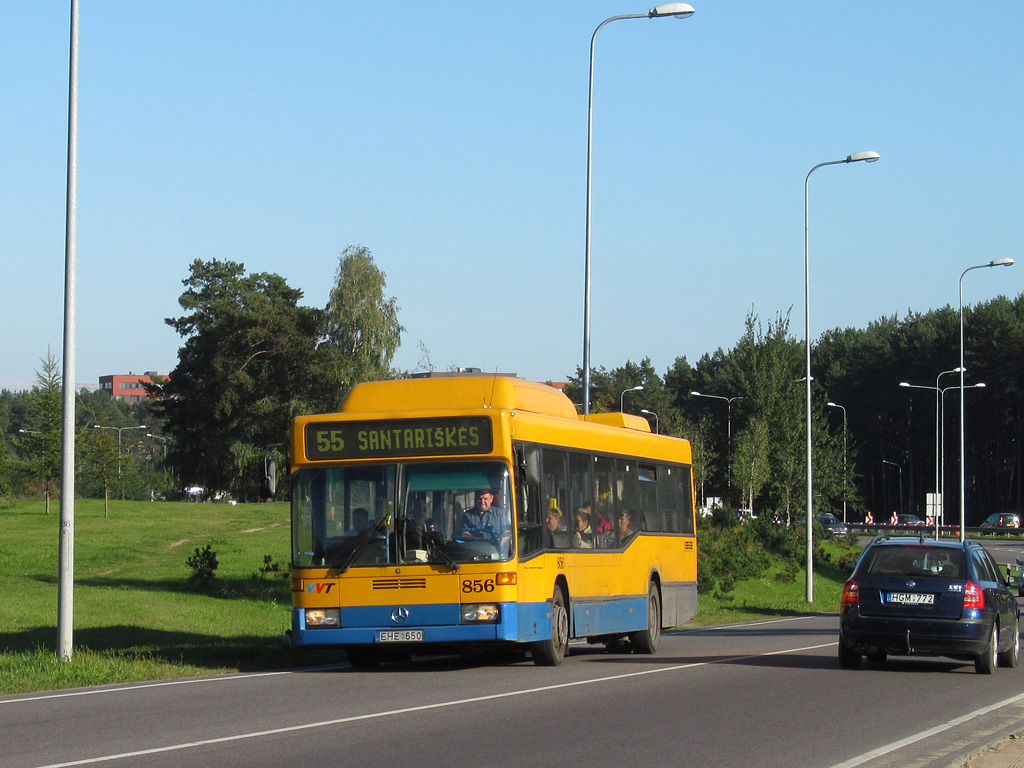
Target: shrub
(203,563)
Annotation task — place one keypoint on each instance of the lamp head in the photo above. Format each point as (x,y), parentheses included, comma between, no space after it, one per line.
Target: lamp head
(980,385)
(1004,262)
(679,10)
(694,392)
(904,383)
(867,157)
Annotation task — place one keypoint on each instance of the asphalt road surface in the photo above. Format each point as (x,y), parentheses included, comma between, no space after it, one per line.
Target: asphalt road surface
(763,694)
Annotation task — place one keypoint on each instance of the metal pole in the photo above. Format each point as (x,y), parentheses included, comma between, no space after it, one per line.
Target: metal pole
(859,156)
(1005,262)
(66,554)
(837,405)
(680,10)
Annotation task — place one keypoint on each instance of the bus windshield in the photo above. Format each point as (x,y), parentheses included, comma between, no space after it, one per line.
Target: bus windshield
(438,512)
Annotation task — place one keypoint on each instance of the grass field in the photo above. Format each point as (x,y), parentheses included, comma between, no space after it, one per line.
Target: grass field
(137,616)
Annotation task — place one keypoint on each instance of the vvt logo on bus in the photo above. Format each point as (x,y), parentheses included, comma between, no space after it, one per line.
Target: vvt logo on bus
(318,588)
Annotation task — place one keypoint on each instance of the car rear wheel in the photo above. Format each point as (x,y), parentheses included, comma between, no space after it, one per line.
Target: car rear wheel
(985,664)
(848,658)
(1008,658)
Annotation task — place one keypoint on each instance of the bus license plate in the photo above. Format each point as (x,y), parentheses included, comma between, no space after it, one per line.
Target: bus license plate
(401,636)
(911,598)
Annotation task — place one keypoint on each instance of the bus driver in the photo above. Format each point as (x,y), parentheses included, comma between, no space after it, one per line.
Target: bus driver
(485,520)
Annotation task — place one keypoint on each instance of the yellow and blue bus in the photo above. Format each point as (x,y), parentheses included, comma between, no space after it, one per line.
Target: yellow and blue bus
(450,513)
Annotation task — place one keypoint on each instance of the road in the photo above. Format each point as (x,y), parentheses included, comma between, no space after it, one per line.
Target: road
(765,694)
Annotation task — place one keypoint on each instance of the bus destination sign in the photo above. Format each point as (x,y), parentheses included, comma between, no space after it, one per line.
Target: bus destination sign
(394,438)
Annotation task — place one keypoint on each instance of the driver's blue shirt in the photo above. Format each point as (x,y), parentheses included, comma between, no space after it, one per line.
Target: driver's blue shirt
(495,520)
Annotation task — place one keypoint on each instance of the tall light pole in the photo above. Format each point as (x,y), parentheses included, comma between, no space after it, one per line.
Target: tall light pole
(162,439)
(942,399)
(830,404)
(940,500)
(622,407)
(119,430)
(679,11)
(66,551)
(728,416)
(1004,262)
(657,421)
(894,464)
(867,157)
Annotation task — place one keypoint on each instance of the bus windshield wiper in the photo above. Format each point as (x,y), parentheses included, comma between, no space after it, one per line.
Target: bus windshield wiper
(364,538)
(433,548)
(426,539)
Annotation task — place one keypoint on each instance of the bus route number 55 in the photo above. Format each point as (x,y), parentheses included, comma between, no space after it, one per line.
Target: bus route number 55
(328,441)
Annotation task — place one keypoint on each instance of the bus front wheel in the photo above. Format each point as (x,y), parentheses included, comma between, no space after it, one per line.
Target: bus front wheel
(549,653)
(646,640)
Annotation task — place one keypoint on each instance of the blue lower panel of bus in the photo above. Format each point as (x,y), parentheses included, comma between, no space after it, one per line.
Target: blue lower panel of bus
(608,617)
(519,622)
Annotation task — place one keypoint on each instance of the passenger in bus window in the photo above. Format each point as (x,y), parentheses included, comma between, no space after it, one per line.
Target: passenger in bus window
(360,521)
(583,536)
(554,534)
(626,527)
(602,525)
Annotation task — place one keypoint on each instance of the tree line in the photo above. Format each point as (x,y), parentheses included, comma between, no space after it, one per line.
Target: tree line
(253,357)
(875,442)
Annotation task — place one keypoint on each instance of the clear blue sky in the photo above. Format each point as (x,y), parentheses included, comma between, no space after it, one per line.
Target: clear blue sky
(450,139)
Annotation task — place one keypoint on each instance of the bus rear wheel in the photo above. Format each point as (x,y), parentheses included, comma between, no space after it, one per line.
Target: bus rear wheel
(647,640)
(549,653)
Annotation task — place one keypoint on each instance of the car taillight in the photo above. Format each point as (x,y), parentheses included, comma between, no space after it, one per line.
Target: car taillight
(974,597)
(851,595)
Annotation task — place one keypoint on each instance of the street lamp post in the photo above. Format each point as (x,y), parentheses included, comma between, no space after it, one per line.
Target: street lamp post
(679,11)
(119,430)
(1004,262)
(657,421)
(867,157)
(162,439)
(830,404)
(66,547)
(622,407)
(942,400)
(940,499)
(728,416)
(894,464)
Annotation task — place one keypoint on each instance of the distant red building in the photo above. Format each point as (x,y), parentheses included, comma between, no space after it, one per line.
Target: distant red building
(130,386)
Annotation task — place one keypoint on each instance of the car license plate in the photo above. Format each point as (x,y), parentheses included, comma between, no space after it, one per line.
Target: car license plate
(911,598)
(400,636)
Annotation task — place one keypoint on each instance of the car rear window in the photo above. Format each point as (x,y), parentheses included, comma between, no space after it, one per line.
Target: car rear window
(914,561)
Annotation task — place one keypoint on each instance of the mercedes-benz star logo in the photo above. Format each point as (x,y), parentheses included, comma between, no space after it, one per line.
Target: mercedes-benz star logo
(399,615)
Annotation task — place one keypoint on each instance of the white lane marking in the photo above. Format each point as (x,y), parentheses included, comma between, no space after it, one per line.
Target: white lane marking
(223,678)
(716,627)
(165,683)
(897,745)
(421,708)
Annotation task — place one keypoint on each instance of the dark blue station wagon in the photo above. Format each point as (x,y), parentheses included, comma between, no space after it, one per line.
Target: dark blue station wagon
(914,596)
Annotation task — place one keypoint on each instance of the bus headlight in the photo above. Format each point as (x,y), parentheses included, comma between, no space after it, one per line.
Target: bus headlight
(323,618)
(475,613)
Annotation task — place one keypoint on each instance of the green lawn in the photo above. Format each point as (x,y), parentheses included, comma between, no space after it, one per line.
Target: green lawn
(137,616)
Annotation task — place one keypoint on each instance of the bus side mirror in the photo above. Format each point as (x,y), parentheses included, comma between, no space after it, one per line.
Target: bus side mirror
(530,464)
(268,485)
